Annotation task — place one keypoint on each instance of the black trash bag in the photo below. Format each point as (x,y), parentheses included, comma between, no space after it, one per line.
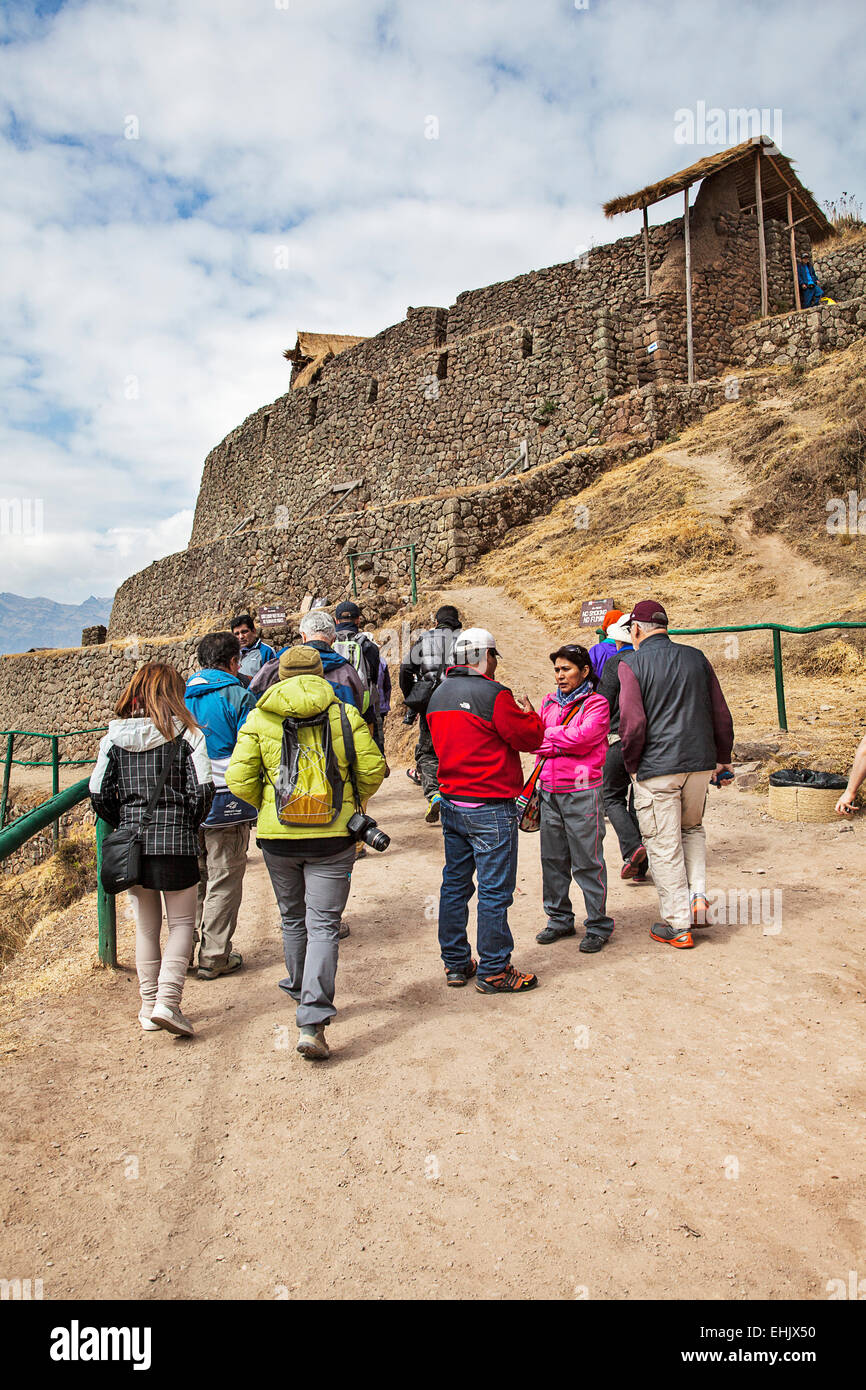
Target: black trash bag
(807,777)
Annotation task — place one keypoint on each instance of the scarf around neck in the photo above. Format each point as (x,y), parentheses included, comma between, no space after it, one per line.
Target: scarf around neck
(578,694)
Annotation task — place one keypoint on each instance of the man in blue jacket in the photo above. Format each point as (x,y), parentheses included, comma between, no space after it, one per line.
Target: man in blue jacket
(255,652)
(219,703)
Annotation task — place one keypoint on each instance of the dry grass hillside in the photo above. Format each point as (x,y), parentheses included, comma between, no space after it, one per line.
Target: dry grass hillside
(727,525)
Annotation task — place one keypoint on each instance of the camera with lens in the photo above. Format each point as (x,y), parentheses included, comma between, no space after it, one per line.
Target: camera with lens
(362,827)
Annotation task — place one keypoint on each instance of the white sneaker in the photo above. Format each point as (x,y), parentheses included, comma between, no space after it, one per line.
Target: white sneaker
(146,1021)
(172,1020)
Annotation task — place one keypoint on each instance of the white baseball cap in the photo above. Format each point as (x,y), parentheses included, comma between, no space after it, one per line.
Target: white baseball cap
(474,639)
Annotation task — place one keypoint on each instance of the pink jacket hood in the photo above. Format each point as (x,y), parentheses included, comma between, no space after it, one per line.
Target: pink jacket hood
(575,754)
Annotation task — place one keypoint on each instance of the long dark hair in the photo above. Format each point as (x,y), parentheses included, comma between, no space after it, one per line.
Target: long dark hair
(578,656)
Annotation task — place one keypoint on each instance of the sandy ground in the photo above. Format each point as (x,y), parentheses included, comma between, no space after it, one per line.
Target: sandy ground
(648,1123)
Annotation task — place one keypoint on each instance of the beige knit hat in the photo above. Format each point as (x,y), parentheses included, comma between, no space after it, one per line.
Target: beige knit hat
(300,661)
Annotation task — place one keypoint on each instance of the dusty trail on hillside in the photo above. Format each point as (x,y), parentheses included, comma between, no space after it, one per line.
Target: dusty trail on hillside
(647,1123)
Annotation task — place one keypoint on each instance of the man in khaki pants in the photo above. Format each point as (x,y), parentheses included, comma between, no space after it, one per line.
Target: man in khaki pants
(677,735)
(220,704)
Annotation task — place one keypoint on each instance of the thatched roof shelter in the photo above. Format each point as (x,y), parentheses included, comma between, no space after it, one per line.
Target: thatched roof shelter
(777,178)
(765,184)
(313,350)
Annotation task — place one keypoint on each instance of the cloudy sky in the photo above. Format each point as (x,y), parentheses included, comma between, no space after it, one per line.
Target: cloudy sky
(187,182)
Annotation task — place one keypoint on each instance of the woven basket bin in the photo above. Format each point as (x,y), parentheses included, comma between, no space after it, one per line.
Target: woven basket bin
(810,804)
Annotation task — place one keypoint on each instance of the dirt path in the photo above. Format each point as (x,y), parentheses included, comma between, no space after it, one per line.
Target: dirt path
(648,1123)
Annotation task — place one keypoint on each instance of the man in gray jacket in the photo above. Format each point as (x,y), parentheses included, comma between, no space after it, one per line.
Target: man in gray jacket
(677,735)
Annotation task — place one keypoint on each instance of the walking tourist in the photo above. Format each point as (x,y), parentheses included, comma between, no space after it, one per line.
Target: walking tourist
(677,735)
(307,761)
(603,650)
(478,732)
(255,652)
(155,752)
(420,674)
(348,616)
(219,704)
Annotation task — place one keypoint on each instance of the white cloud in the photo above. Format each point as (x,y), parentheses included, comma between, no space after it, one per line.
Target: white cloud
(143,313)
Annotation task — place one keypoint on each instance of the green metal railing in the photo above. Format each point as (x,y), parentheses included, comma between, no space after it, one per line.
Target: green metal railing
(22,829)
(777,629)
(55,762)
(386,550)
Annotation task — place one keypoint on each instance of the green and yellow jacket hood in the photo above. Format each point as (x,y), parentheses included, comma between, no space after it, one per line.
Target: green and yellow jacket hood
(256,759)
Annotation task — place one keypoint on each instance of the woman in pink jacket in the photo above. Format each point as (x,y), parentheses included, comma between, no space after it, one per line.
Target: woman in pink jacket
(576,723)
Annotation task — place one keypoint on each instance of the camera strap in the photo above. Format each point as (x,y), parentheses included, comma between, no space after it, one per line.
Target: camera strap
(349,745)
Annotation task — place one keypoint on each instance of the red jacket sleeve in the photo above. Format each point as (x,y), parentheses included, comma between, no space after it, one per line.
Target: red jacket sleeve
(632,718)
(723,724)
(519,729)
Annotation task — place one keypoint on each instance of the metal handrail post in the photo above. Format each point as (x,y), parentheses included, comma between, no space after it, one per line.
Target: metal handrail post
(55,781)
(412,575)
(106,904)
(780,681)
(7,769)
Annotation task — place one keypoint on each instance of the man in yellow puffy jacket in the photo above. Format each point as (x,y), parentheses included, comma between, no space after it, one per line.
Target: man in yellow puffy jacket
(310,864)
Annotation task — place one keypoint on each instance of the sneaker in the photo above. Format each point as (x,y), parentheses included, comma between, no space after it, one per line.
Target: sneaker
(409,717)
(549,934)
(459,975)
(144,1018)
(412,774)
(213,972)
(663,931)
(636,864)
(700,908)
(508,981)
(343,931)
(312,1043)
(592,942)
(172,1020)
(432,815)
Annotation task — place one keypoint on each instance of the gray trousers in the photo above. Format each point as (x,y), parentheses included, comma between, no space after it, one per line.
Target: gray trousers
(572,840)
(311,895)
(426,760)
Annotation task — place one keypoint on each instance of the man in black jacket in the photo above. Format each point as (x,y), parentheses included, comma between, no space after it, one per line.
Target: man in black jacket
(677,735)
(420,675)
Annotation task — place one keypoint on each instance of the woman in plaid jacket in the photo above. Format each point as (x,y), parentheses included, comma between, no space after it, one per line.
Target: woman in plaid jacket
(153,724)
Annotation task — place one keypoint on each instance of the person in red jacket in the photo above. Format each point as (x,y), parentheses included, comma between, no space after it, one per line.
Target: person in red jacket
(479,731)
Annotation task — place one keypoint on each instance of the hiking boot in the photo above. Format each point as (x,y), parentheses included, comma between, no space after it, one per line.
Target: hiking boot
(145,1019)
(636,864)
(343,931)
(213,972)
(700,908)
(459,975)
(172,1020)
(592,942)
(549,934)
(312,1043)
(432,815)
(663,931)
(508,981)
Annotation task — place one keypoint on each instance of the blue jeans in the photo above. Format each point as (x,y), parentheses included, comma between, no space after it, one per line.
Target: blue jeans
(481,842)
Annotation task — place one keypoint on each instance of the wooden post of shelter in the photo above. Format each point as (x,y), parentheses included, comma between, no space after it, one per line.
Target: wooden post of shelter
(646,263)
(762,245)
(793,252)
(690,347)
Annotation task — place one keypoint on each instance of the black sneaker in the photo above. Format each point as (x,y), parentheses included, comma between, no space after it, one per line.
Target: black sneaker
(549,934)
(459,975)
(509,981)
(592,942)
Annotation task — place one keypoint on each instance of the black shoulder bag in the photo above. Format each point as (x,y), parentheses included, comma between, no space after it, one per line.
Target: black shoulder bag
(121,850)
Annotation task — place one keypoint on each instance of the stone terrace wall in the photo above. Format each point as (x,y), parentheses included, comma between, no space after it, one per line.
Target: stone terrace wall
(451,398)
(841,270)
(56,692)
(801,336)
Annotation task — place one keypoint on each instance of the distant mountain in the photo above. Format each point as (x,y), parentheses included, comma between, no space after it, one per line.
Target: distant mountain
(40,622)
